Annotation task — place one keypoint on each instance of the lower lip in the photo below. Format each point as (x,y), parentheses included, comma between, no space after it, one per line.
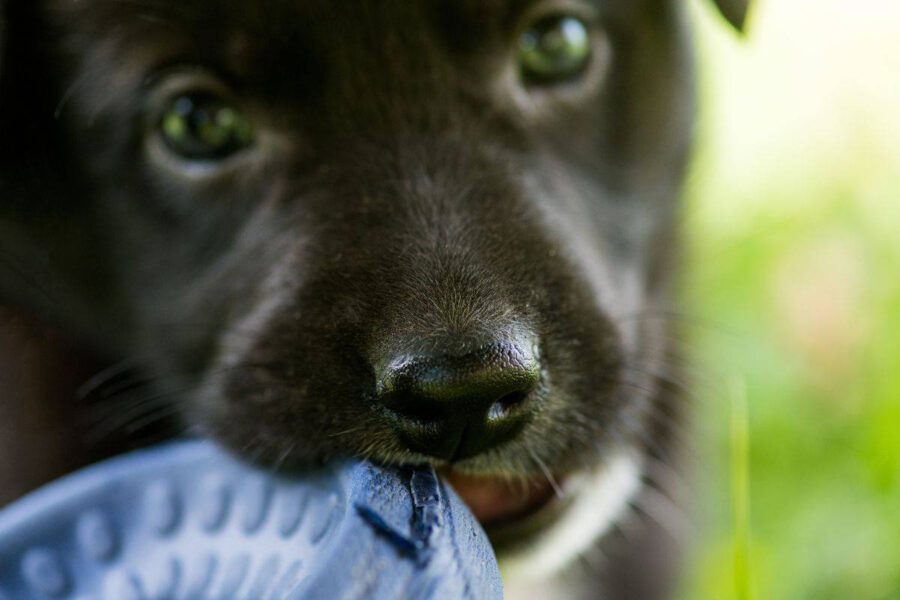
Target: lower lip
(497,501)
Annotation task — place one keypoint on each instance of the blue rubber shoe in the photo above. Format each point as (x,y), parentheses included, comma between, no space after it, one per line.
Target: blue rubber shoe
(186,521)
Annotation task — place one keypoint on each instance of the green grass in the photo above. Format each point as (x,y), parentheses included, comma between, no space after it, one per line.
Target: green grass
(740,490)
(793,224)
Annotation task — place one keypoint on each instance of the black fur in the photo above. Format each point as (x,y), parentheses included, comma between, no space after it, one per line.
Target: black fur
(405,195)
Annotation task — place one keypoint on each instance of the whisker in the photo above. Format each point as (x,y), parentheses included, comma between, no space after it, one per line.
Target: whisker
(158,414)
(664,511)
(132,406)
(347,431)
(104,377)
(283,456)
(117,421)
(550,479)
(666,476)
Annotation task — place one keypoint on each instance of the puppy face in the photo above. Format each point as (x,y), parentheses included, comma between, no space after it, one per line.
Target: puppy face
(339,222)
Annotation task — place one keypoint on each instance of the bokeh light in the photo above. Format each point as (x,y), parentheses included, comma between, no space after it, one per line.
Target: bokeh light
(793,220)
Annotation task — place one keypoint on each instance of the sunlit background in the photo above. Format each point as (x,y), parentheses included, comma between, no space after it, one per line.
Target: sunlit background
(793,222)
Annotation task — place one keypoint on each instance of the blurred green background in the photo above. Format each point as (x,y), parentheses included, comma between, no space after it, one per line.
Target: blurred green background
(793,223)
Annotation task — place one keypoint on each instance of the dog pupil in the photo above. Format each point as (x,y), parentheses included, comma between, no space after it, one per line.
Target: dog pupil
(202,126)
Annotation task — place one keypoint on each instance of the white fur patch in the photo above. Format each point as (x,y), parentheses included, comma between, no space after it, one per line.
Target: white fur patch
(599,501)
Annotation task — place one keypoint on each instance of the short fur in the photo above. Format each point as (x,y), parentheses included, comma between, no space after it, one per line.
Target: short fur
(406,194)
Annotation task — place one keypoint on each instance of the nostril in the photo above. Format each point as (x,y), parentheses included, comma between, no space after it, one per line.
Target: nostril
(409,407)
(507,406)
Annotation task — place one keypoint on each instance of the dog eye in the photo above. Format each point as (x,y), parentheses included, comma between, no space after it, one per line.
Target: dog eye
(554,49)
(204,126)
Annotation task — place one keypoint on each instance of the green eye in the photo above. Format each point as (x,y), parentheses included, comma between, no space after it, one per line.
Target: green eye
(203,126)
(554,49)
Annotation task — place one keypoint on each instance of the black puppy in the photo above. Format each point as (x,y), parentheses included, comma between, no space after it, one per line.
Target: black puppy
(432,230)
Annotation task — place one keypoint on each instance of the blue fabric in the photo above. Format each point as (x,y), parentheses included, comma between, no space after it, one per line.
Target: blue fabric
(187,521)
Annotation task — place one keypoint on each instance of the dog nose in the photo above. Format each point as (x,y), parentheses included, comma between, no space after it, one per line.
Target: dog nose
(456,406)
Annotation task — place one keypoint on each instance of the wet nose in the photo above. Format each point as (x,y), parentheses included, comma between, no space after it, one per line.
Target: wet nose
(456,406)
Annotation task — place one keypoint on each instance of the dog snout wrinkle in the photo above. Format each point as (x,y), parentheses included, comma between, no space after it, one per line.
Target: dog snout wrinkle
(457,406)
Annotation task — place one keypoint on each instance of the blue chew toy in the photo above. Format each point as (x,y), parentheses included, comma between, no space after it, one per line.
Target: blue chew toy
(185,521)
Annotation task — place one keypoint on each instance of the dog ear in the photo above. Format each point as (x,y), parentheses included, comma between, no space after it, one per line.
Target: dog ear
(734,11)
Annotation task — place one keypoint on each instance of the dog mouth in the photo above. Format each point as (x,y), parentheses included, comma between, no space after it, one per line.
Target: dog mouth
(537,526)
(503,505)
